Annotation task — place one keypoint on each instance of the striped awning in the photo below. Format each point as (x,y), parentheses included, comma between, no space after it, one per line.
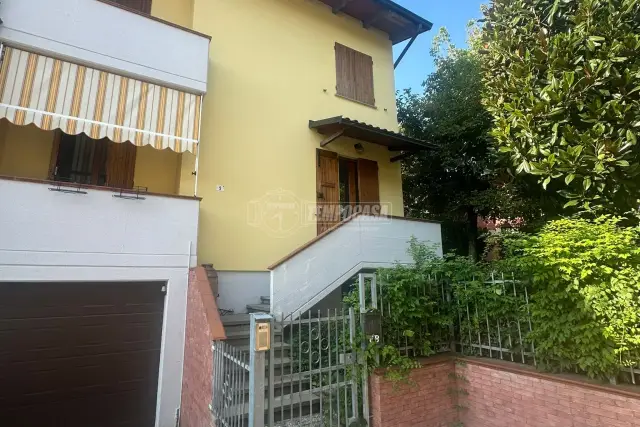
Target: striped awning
(56,94)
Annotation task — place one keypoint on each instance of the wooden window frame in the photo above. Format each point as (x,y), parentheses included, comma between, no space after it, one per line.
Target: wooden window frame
(354,76)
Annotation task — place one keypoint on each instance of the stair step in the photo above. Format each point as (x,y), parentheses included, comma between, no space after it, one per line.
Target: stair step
(265,300)
(236,320)
(258,308)
(286,401)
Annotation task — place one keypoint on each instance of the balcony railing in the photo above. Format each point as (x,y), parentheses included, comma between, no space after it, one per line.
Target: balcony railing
(111,38)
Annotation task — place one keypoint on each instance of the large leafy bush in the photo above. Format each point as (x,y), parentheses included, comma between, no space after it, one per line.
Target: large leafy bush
(586,296)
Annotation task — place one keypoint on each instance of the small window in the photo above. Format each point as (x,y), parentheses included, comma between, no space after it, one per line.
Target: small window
(354,75)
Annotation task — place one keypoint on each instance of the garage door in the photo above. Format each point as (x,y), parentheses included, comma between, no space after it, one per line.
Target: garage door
(79,354)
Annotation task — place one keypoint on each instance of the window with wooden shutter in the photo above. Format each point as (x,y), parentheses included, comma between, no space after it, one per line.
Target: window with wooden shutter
(354,75)
(143,6)
(78,158)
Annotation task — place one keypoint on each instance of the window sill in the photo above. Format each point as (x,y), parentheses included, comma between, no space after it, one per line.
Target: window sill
(356,101)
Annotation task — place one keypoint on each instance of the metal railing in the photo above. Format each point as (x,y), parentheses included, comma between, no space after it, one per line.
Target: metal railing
(314,375)
(230,382)
(477,330)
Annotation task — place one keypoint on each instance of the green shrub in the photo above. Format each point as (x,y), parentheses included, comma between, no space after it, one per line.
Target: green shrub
(586,296)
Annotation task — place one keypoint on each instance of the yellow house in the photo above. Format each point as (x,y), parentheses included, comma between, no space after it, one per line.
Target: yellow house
(140,138)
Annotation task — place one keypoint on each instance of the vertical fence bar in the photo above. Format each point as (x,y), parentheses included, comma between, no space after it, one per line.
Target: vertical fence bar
(504,291)
(354,362)
(234,392)
(236,388)
(533,347)
(320,359)
(227,383)
(499,339)
(310,368)
(344,363)
(291,356)
(214,378)
(299,365)
(515,294)
(272,361)
(244,386)
(282,369)
(329,351)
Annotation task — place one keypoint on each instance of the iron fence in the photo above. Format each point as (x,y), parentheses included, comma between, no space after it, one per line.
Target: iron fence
(314,371)
(230,385)
(496,326)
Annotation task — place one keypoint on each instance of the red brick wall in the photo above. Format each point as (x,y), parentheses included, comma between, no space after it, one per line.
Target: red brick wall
(425,402)
(500,397)
(201,324)
(499,394)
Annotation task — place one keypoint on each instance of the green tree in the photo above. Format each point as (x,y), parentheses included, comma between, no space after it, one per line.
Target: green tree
(562,82)
(460,179)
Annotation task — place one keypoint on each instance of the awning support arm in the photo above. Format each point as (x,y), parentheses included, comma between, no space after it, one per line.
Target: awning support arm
(328,140)
(407,47)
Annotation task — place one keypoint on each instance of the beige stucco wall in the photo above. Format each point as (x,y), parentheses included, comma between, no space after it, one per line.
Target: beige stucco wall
(26,151)
(271,70)
(177,11)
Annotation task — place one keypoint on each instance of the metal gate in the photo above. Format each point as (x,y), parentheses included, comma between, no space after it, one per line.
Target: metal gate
(311,376)
(316,375)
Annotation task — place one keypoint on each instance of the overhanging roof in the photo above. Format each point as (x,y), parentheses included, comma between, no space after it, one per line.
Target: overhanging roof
(401,24)
(339,126)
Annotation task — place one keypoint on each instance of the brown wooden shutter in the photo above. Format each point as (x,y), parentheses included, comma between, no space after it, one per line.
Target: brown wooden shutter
(121,163)
(364,79)
(328,190)
(354,75)
(143,6)
(368,184)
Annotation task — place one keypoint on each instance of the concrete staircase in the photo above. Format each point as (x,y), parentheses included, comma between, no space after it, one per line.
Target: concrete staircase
(289,401)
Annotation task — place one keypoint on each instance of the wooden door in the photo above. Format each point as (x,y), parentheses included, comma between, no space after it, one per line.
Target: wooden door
(328,190)
(368,185)
(121,161)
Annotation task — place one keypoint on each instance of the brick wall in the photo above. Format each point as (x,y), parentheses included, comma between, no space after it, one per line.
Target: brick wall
(504,395)
(202,327)
(499,394)
(425,402)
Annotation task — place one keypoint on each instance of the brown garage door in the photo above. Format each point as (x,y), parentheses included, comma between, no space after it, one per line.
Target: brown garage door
(79,354)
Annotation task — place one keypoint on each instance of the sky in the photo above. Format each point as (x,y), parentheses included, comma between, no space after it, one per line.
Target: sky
(452,14)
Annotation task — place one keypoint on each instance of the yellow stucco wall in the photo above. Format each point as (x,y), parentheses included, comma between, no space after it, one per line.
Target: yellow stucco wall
(27,151)
(177,11)
(158,170)
(271,70)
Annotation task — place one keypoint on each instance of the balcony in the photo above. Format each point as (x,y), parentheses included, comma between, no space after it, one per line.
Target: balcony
(110,38)
(46,224)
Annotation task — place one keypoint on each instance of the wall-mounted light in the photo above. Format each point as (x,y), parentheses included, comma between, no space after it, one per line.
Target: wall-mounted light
(359,148)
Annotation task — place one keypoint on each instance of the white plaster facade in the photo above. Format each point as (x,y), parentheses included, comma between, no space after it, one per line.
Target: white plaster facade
(50,236)
(109,38)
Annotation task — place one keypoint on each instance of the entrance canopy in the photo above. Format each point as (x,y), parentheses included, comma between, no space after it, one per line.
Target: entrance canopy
(336,127)
(55,94)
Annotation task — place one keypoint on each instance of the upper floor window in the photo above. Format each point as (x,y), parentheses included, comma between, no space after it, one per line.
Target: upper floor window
(80,159)
(354,75)
(143,6)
